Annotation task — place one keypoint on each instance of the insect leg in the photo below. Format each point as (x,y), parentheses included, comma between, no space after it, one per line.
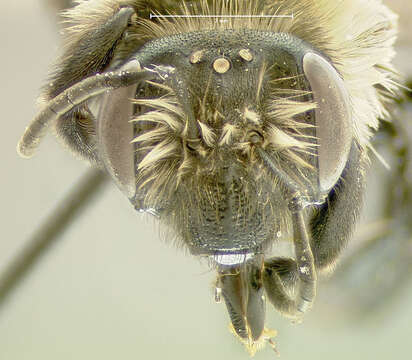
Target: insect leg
(333,223)
(330,227)
(367,274)
(304,264)
(89,51)
(300,273)
(129,74)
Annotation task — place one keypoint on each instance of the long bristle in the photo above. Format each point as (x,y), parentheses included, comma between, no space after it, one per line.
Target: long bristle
(356,35)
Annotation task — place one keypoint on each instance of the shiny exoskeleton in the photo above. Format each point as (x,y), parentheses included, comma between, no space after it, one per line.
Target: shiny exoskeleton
(236,124)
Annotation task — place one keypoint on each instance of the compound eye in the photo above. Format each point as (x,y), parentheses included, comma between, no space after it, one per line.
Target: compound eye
(115,133)
(333,117)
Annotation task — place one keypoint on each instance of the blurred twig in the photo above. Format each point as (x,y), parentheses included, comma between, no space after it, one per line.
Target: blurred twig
(375,273)
(74,203)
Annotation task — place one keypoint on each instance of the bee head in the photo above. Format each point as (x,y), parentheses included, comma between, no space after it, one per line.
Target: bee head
(196,129)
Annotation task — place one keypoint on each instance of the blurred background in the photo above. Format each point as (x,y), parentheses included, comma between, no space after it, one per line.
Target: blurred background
(111,288)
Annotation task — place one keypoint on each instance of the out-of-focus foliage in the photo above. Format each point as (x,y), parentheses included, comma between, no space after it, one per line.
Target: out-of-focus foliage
(58,5)
(378,265)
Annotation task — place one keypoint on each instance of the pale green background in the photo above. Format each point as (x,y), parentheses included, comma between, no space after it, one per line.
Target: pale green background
(110,289)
